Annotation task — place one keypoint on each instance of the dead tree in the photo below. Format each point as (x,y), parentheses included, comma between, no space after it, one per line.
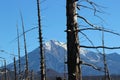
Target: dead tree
(18,50)
(73,55)
(15,71)
(5,69)
(107,75)
(73,58)
(42,61)
(25,47)
(32,75)
(65,77)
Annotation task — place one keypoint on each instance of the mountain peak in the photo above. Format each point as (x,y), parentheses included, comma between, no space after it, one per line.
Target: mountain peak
(54,43)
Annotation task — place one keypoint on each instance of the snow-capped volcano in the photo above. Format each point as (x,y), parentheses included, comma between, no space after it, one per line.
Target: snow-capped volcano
(55,56)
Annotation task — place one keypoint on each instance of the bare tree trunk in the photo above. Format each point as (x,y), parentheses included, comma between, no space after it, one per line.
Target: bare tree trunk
(25,47)
(5,70)
(18,50)
(15,69)
(107,75)
(42,61)
(65,78)
(73,55)
(32,75)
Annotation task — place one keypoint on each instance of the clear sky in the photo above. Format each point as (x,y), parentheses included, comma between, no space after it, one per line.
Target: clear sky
(53,23)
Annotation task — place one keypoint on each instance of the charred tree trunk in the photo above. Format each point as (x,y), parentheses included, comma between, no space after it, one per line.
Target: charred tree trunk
(73,55)
(5,70)
(42,61)
(15,72)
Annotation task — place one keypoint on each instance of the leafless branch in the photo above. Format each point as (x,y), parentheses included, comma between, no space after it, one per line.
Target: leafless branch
(100,47)
(90,41)
(93,4)
(24,32)
(94,67)
(95,27)
(92,25)
(28,31)
(100,29)
(80,5)
(94,7)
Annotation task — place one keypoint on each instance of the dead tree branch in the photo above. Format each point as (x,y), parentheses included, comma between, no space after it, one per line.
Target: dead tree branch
(95,7)
(28,31)
(91,65)
(25,33)
(80,5)
(92,25)
(100,29)
(99,47)
(90,41)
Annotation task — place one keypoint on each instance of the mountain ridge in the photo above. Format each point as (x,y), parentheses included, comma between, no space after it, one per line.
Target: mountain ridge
(55,53)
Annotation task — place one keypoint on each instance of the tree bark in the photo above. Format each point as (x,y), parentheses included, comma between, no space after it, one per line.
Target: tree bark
(42,61)
(25,47)
(73,55)
(15,72)
(18,50)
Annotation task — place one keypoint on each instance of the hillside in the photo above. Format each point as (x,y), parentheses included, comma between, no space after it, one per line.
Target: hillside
(55,53)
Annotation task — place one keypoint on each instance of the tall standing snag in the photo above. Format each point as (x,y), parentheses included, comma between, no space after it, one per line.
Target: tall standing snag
(73,55)
(42,61)
(15,72)
(107,75)
(5,69)
(25,47)
(18,49)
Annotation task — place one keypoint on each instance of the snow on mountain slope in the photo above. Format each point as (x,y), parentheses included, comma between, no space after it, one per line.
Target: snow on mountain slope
(55,53)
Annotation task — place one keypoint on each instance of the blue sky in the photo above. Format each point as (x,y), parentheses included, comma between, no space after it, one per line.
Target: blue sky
(53,23)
